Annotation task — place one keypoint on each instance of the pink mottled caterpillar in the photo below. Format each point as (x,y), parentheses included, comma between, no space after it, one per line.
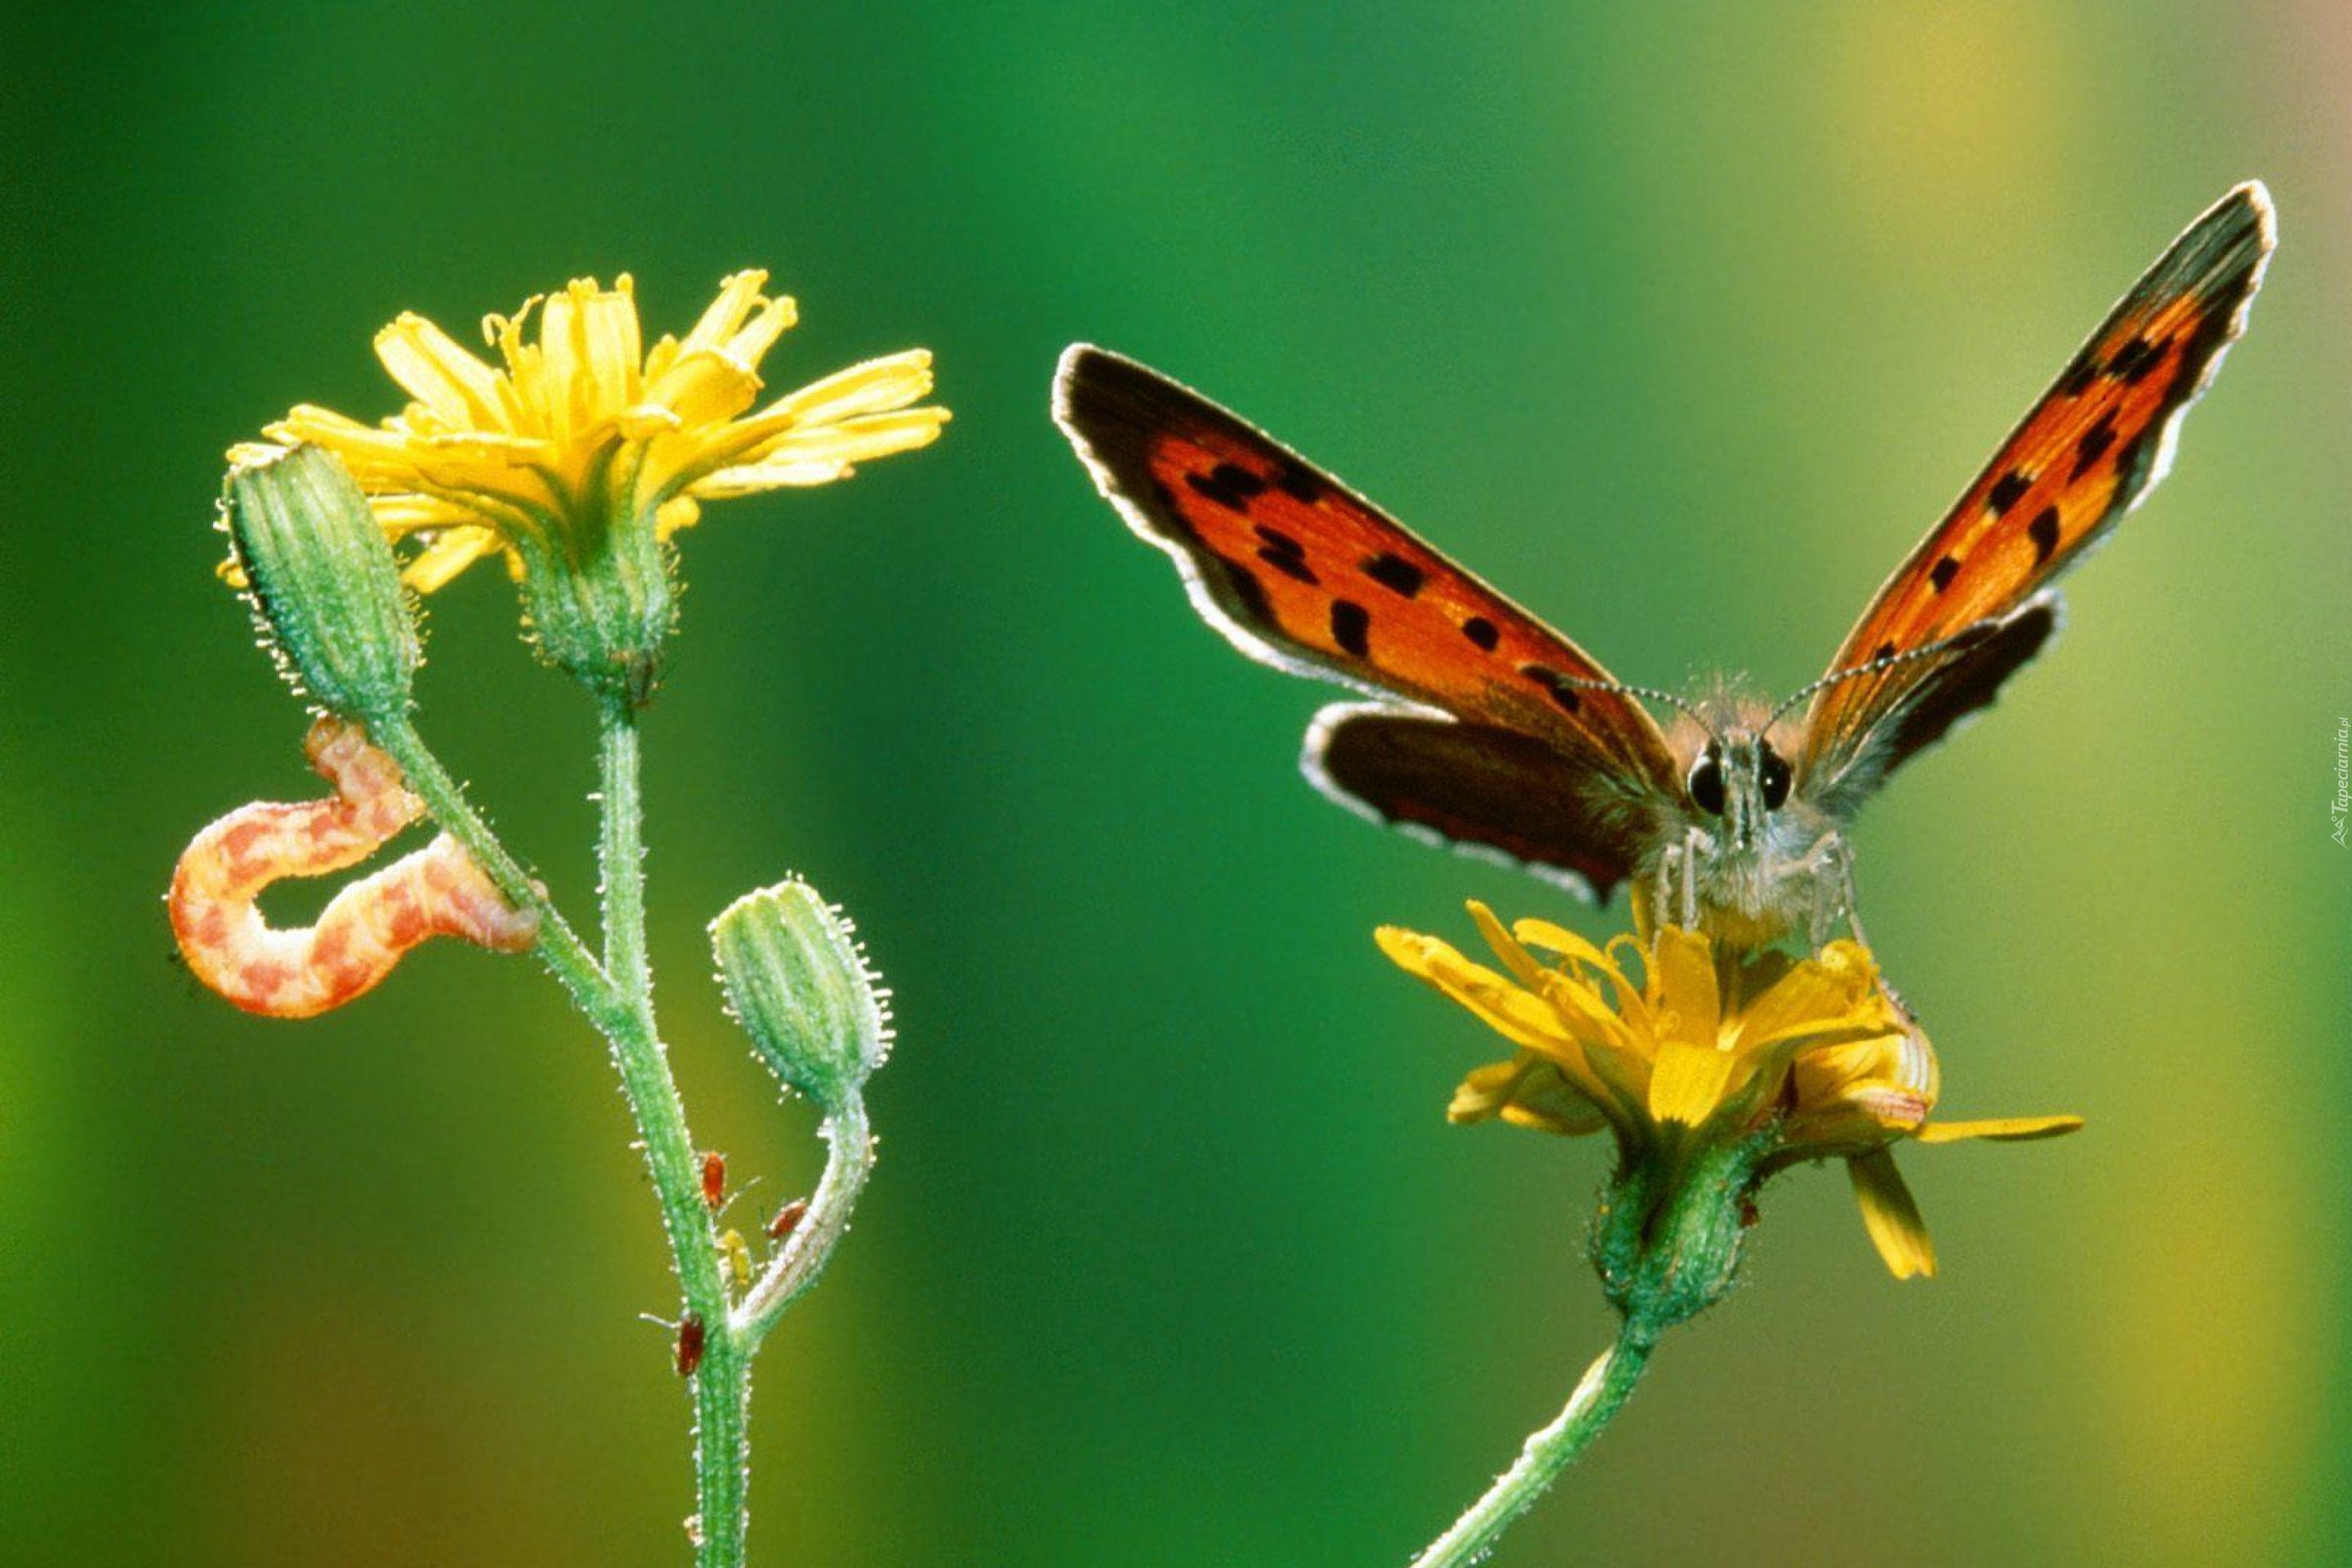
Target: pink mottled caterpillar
(303,971)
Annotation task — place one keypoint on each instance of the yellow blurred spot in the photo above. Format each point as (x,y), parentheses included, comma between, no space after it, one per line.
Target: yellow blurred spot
(2209,1369)
(1937,109)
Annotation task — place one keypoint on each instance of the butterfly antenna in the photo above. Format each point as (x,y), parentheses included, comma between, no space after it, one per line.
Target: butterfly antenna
(1651,693)
(1974,631)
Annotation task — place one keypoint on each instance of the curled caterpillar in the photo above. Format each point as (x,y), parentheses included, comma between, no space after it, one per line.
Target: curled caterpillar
(363,932)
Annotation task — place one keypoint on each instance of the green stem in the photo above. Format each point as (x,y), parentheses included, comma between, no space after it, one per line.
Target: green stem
(560,948)
(722,1380)
(621,858)
(794,1268)
(616,995)
(1604,1388)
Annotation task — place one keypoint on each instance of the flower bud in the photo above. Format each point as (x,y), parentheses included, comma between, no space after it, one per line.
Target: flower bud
(1667,1239)
(799,985)
(322,582)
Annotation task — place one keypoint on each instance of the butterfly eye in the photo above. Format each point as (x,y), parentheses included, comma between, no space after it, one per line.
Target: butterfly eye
(1705,782)
(1772,773)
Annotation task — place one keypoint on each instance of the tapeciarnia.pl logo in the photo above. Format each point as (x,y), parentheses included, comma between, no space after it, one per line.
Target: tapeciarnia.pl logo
(2339,810)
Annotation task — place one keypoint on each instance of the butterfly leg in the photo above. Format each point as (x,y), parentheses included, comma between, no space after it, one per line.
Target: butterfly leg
(1832,860)
(1674,896)
(1692,847)
(1676,899)
(1830,865)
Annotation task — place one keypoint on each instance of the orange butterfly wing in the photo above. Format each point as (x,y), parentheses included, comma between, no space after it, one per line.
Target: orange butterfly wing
(2098,441)
(1497,748)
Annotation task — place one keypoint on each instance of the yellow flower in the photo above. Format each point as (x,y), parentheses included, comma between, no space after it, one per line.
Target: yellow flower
(1708,1049)
(584,432)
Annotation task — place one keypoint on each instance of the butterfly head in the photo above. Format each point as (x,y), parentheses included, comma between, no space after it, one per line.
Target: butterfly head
(1737,779)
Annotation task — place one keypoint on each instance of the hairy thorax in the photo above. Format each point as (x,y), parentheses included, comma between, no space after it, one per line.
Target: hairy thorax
(1742,854)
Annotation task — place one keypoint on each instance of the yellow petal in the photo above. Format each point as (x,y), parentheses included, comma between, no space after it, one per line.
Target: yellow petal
(448,555)
(1567,944)
(433,368)
(1823,996)
(835,447)
(403,513)
(1892,1079)
(867,399)
(378,458)
(678,511)
(876,386)
(559,356)
(703,388)
(1684,978)
(752,343)
(497,447)
(759,478)
(616,353)
(1891,1109)
(1526,1091)
(1688,1082)
(2007,1130)
(643,421)
(1516,958)
(737,295)
(1484,1091)
(1518,1016)
(1890,1216)
(1602,1027)
(523,393)
(1542,1119)
(588,341)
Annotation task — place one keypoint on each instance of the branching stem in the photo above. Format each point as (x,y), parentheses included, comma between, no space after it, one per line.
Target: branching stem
(616,995)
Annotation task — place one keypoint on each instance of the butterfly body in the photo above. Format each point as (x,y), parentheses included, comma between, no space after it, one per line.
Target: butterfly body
(1489,731)
(1743,856)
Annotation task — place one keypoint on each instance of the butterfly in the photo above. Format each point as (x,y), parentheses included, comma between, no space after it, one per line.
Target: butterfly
(1489,731)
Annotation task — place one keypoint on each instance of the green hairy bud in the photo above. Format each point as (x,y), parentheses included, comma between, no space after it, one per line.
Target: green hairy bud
(798,981)
(322,582)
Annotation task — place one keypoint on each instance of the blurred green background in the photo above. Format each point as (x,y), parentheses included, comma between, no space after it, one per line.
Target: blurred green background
(1679,322)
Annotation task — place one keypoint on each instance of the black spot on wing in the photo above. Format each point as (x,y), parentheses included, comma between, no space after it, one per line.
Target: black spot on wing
(1213,487)
(1284,553)
(2137,359)
(1289,565)
(1557,684)
(2133,463)
(2008,490)
(2095,444)
(1351,627)
(1395,573)
(1248,591)
(1940,576)
(1299,484)
(1483,632)
(1237,480)
(2080,376)
(2044,532)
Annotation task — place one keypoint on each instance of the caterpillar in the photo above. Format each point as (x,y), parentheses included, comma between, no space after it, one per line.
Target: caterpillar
(301,972)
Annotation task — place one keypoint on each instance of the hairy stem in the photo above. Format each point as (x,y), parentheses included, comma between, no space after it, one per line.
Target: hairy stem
(796,1267)
(560,948)
(722,1380)
(1604,1389)
(616,996)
